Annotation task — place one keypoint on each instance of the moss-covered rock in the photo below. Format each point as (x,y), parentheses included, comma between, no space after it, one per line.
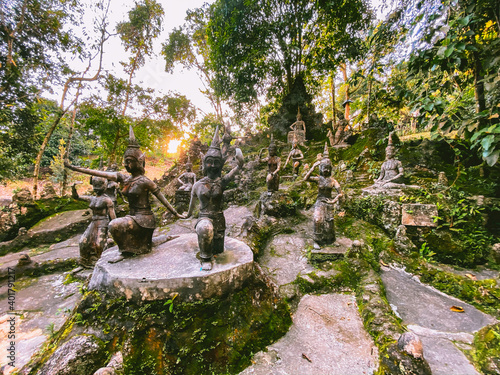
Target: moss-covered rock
(170,337)
(486,353)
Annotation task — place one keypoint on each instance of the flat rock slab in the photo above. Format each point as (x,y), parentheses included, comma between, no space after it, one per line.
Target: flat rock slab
(419,215)
(41,305)
(60,252)
(332,252)
(326,337)
(285,257)
(428,311)
(173,268)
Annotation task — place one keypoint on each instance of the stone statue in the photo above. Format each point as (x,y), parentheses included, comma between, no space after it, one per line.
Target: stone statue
(273,167)
(330,137)
(391,172)
(188,178)
(340,133)
(226,142)
(94,240)
(298,132)
(442,179)
(324,228)
(133,233)
(113,189)
(211,224)
(296,155)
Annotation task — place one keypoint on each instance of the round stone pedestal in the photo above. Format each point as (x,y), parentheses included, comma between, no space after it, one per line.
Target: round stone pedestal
(173,268)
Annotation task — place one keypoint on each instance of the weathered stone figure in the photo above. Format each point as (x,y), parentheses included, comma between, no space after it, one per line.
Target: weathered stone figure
(340,133)
(298,132)
(132,233)
(188,178)
(273,167)
(94,240)
(211,225)
(296,156)
(113,188)
(226,142)
(391,172)
(324,228)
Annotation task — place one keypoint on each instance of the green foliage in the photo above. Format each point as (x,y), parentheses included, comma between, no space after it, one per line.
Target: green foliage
(486,352)
(425,253)
(277,41)
(456,72)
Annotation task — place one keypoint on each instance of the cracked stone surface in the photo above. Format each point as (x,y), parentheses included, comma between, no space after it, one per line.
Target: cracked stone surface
(327,337)
(426,311)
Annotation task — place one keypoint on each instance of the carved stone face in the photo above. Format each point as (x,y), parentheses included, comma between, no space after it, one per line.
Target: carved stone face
(189,167)
(131,164)
(212,166)
(325,169)
(99,185)
(272,151)
(389,153)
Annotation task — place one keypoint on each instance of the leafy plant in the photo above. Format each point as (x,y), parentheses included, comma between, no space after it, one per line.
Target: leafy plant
(170,303)
(425,252)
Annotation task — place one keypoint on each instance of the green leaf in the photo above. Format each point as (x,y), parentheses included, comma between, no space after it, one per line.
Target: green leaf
(429,107)
(487,141)
(449,50)
(492,158)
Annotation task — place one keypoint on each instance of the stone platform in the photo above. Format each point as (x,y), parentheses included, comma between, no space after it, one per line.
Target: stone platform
(173,268)
(332,252)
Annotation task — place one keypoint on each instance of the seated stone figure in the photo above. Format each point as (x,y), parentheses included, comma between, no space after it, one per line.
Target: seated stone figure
(188,178)
(133,233)
(323,216)
(274,165)
(94,240)
(391,172)
(211,224)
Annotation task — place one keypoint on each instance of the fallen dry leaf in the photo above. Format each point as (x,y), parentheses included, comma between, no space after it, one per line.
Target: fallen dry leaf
(306,357)
(457,309)
(383,263)
(471,276)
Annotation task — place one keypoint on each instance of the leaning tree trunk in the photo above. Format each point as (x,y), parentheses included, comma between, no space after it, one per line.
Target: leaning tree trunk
(42,150)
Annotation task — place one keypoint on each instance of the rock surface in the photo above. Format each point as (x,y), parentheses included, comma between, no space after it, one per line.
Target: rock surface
(80,355)
(327,337)
(41,306)
(432,320)
(173,269)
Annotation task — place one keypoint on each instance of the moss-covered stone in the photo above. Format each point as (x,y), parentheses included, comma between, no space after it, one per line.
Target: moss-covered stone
(166,337)
(486,353)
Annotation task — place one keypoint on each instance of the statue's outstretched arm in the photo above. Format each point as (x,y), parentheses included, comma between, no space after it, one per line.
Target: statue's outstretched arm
(158,194)
(74,194)
(112,176)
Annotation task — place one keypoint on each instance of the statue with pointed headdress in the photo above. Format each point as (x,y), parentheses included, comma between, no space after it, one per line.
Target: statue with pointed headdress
(323,216)
(295,156)
(298,132)
(211,224)
(133,233)
(188,178)
(273,167)
(391,171)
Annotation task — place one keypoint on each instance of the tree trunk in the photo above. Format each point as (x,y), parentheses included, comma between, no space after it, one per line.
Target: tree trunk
(479,84)
(42,150)
(334,104)
(347,105)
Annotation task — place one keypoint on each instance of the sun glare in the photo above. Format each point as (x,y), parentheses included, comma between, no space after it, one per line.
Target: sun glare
(173,145)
